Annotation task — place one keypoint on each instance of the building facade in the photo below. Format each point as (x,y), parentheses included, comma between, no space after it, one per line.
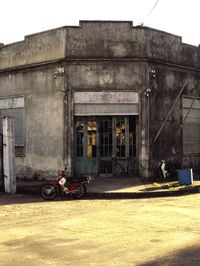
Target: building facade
(79,94)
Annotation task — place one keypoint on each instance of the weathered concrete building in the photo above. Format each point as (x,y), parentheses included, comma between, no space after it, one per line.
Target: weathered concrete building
(77,93)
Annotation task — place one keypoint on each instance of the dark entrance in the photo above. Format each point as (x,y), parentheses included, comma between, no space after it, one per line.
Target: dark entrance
(97,139)
(1,164)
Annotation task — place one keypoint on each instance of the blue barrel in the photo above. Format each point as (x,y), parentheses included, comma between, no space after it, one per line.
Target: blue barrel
(185,177)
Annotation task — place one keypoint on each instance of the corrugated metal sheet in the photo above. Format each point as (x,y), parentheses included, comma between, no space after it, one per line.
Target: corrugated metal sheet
(187,102)
(191,126)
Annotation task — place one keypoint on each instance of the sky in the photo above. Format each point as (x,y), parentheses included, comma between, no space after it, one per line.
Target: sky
(19,18)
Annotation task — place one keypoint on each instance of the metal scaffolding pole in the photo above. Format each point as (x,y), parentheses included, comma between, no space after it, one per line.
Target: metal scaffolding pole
(170,111)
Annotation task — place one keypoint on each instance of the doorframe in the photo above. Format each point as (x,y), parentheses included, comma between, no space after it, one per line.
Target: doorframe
(85,119)
(84,157)
(2,187)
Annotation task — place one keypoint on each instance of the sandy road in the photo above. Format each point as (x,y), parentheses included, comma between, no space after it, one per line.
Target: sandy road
(162,231)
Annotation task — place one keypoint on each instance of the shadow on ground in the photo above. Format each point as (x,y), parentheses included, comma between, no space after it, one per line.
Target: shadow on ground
(7,199)
(183,257)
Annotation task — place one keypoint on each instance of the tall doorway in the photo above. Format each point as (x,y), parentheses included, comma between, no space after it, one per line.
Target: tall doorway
(98,138)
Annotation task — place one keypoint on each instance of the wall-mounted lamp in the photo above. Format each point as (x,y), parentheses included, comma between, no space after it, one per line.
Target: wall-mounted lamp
(147,92)
(153,78)
(152,73)
(60,72)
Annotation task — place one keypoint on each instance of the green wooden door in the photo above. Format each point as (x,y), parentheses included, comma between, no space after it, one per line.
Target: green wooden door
(97,139)
(86,155)
(105,144)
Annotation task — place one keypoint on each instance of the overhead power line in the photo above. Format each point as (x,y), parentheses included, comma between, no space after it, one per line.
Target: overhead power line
(153,8)
(142,22)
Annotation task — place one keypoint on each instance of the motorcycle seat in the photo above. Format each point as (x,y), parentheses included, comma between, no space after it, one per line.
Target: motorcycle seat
(77,179)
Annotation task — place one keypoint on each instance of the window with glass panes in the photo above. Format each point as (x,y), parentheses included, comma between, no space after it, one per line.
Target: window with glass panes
(18,115)
(132,136)
(106,137)
(79,138)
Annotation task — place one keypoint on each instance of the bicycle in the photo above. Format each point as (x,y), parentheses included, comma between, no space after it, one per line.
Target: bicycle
(133,167)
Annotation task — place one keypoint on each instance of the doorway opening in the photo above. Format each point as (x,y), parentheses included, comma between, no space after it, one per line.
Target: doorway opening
(98,138)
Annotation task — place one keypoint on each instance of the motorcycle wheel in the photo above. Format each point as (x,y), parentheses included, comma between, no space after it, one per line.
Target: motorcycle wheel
(79,193)
(48,192)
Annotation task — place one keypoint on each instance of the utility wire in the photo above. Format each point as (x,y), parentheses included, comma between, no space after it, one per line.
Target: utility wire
(142,22)
(153,8)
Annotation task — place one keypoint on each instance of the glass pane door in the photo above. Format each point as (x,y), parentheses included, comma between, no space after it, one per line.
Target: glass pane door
(98,138)
(86,159)
(120,134)
(79,138)
(106,144)
(92,139)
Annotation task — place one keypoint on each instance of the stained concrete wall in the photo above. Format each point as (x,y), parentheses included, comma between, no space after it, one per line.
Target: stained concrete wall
(169,48)
(117,76)
(163,46)
(24,71)
(96,56)
(106,76)
(105,40)
(36,48)
(43,118)
(122,40)
(96,39)
(164,94)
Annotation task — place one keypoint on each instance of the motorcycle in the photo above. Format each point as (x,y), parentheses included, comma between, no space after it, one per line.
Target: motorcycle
(64,184)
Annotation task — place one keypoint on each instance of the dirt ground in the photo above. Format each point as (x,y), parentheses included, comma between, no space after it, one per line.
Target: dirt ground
(161,231)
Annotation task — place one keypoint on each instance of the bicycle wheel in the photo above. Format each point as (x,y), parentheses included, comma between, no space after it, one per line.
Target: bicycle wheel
(131,168)
(134,168)
(117,171)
